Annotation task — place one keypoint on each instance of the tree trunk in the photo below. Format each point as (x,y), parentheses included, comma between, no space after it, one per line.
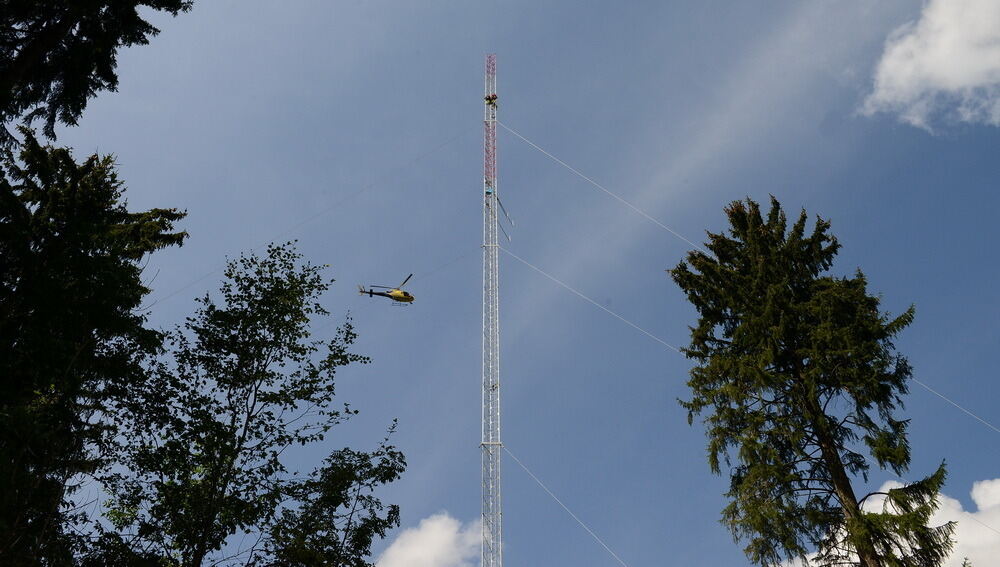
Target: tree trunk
(842,487)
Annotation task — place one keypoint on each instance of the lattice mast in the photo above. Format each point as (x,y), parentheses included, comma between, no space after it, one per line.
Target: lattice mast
(491,446)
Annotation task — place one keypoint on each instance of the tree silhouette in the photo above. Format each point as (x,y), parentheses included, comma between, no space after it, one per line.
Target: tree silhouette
(57,54)
(71,338)
(242,384)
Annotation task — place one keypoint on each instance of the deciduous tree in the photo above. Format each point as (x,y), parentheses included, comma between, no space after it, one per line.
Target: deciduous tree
(337,516)
(243,384)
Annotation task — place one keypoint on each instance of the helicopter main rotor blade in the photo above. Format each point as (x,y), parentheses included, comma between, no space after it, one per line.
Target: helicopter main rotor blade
(404,281)
(382,286)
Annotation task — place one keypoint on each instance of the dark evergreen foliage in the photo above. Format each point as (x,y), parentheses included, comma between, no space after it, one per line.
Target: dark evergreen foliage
(57,54)
(243,383)
(797,373)
(70,334)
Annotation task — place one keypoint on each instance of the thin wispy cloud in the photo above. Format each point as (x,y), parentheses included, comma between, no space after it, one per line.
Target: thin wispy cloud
(943,67)
(767,91)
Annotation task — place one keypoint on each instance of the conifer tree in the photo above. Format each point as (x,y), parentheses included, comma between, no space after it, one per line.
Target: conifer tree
(797,377)
(71,335)
(57,54)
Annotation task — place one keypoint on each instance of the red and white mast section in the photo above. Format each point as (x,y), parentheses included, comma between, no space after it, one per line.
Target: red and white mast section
(491,445)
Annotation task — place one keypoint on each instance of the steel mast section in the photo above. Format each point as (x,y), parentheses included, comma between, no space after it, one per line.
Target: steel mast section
(491,445)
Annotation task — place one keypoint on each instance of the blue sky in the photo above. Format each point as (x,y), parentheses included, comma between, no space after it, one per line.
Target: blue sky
(356,128)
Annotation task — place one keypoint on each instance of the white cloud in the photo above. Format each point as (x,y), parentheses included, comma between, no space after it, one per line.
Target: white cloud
(944,66)
(438,541)
(977,533)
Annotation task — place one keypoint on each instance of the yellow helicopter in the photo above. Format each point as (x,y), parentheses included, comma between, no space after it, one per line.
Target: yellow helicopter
(394,293)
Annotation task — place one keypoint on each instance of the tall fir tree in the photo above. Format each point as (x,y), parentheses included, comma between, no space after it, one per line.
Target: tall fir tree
(57,54)
(71,335)
(797,376)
